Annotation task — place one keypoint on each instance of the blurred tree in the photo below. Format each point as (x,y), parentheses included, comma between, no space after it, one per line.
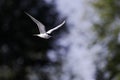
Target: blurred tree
(108,30)
(22,55)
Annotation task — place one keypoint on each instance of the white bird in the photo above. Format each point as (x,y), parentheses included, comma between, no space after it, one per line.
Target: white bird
(41,27)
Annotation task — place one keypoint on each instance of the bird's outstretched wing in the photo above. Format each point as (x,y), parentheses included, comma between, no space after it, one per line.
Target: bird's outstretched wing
(51,30)
(41,27)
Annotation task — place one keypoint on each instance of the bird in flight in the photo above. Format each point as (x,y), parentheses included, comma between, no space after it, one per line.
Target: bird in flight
(43,33)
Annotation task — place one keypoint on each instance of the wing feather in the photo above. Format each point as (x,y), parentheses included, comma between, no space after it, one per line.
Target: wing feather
(41,27)
(51,30)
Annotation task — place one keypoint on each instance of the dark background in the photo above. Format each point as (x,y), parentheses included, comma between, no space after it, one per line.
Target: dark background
(21,53)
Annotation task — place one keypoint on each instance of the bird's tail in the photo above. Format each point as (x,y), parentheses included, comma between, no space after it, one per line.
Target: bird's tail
(35,34)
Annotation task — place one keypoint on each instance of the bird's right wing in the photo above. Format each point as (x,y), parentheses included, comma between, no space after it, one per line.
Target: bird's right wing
(41,27)
(51,30)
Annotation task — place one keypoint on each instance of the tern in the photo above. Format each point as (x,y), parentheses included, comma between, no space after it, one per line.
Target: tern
(42,32)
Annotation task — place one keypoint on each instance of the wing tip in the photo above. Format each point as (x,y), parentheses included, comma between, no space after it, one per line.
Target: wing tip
(27,13)
(63,22)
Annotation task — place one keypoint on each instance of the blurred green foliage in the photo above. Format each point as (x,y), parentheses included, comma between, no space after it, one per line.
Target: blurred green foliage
(23,55)
(108,31)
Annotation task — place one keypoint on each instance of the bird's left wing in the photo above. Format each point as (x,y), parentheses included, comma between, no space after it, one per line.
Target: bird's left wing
(41,27)
(51,30)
